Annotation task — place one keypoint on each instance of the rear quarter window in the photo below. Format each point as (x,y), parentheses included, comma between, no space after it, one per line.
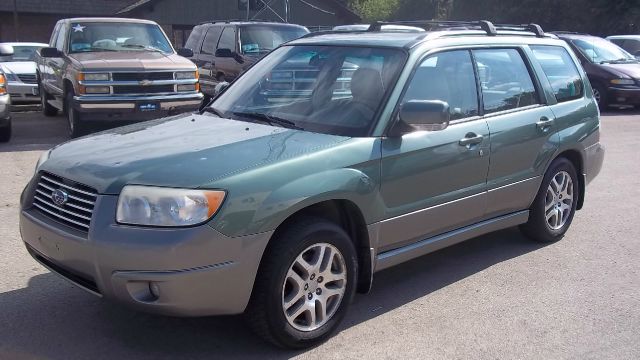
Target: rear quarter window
(561,71)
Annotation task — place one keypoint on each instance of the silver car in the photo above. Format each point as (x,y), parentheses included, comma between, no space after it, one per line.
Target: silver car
(5,101)
(20,71)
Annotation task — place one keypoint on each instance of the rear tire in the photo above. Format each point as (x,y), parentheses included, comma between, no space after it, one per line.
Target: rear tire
(5,132)
(304,285)
(76,126)
(555,204)
(47,109)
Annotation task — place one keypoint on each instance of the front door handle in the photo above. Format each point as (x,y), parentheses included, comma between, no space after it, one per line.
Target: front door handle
(471,139)
(545,123)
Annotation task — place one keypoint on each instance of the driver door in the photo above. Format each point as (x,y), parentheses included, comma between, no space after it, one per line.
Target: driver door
(436,181)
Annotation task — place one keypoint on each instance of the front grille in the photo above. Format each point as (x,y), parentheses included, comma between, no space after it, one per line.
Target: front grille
(76,212)
(139,76)
(28,78)
(136,89)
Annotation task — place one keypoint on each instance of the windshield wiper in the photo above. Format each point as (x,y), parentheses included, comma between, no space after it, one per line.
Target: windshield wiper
(144,47)
(618,61)
(269,119)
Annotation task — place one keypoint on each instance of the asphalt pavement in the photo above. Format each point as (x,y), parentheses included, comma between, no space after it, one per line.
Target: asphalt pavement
(498,296)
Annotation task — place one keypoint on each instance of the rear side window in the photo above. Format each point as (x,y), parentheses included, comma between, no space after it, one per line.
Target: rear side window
(561,72)
(449,77)
(505,80)
(210,40)
(194,37)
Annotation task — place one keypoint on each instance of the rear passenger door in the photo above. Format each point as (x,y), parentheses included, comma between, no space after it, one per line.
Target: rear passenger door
(435,181)
(206,59)
(522,127)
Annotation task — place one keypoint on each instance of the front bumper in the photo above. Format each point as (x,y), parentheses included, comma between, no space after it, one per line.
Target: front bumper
(5,114)
(127,108)
(22,93)
(623,96)
(193,271)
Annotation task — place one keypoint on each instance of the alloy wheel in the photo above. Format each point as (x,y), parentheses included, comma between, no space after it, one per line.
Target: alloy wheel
(558,202)
(314,287)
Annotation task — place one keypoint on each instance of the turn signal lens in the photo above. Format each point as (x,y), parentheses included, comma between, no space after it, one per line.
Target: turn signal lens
(3,82)
(623,81)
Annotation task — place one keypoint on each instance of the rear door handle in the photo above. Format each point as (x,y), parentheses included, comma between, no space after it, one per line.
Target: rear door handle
(471,139)
(544,124)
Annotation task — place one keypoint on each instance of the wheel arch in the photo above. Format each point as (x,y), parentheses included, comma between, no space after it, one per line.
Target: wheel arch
(348,216)
(575,157)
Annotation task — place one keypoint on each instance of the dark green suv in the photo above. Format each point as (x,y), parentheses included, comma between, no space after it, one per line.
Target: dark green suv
(283,210)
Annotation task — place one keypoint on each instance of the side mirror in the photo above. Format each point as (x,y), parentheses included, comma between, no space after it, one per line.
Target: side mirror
(50,52)
(224,53)
(6,50)
(429,115)
(185,52)
(222,86)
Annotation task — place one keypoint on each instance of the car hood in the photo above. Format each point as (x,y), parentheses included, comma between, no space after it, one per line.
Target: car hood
(131,60)
(631,70)
(19,67)
(183,151)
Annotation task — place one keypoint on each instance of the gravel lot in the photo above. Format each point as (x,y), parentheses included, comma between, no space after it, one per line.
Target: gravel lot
(494,297)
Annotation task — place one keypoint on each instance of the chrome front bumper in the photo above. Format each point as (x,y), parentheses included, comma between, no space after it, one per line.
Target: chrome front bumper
(23,93)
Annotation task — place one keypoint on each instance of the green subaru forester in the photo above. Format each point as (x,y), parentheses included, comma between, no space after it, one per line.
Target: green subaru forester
(337,155)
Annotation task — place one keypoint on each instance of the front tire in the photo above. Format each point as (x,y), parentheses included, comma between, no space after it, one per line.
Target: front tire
(76,126)
(555,204)
(304,285)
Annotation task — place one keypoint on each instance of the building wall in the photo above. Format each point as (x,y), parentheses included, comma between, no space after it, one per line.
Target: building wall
(33,27)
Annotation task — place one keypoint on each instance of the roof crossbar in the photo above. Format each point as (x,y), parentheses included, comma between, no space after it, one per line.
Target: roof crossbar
(484,25)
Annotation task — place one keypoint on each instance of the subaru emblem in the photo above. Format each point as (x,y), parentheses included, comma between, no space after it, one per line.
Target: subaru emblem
(59,197)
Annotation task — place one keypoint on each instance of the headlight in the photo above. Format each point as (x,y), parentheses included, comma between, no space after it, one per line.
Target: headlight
(44,157)
(623,82)
(188,87)
(93,76)
(185,75)
(157,206)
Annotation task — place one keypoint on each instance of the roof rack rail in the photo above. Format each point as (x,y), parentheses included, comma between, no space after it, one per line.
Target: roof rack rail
(227,21)
(487,26)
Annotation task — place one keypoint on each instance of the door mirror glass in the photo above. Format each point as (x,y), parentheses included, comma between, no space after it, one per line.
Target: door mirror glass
(429,115)
(6,50)
(50,52)
(224,53)
(220,88)
(185,52)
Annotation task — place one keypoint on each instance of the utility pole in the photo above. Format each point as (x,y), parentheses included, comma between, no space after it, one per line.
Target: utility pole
(286,11)
(16,25)
(248,1)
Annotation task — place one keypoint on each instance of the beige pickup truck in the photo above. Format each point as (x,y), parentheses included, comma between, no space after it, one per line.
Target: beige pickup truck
(114,70)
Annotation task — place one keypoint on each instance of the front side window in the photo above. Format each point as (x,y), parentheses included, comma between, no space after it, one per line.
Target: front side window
(115,36)
(505,80)
(561,71)
(211,40)
(327,89)
(601,51)
(228,39)
(257,40)
(61,38)
(448,77)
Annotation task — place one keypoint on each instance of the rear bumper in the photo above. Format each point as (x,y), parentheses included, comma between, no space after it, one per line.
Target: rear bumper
(22,93)
(127,108)
(192,271)
(594,157)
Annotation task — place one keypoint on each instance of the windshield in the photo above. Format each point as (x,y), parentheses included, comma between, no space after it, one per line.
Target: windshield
(21,53)
(602,51)
(257,39)
(327,89)
(125,36)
